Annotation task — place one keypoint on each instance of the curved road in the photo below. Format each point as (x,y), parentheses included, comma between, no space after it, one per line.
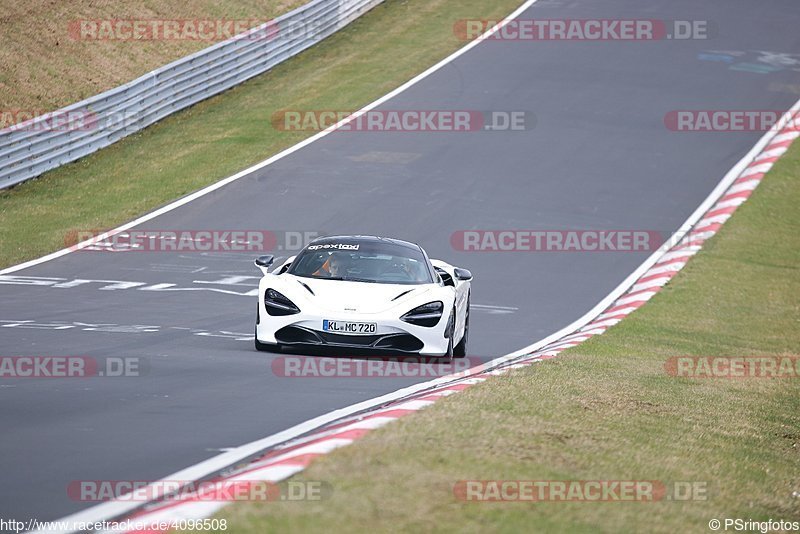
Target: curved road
(599,157)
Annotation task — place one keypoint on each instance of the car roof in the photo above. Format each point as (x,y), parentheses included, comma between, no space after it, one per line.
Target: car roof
(354,239)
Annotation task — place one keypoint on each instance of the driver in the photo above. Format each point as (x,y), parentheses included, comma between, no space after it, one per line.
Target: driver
(334,266)
(337,265)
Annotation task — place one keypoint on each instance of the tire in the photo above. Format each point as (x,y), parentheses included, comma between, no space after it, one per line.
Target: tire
(447,357)
(460,350)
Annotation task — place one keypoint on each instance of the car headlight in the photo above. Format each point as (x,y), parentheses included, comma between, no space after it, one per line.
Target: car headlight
(425,315)
(277,304)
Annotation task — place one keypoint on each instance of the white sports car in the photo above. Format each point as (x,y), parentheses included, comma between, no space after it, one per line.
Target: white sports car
(364,292)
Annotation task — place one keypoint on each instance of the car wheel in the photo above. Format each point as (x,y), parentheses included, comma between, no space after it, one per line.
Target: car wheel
(460,350)
(448,356)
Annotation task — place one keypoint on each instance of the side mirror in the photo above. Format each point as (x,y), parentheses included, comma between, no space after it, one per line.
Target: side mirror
(462,274)
(264,261)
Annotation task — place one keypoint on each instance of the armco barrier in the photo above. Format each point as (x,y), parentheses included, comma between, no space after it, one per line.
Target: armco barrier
(29,149)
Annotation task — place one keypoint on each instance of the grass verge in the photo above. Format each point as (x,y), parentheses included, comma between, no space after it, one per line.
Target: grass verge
(605,410)
(232,131)
(44,66)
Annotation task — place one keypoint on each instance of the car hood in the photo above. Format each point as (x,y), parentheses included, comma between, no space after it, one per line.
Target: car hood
(355,297)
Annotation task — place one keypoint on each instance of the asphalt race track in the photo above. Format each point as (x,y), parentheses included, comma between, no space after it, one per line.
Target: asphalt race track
(599,157)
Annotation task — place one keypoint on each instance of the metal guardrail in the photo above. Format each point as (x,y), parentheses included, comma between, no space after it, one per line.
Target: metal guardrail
(31,148)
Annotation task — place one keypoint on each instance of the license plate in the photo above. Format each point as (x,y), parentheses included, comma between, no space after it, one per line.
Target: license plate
(349,327)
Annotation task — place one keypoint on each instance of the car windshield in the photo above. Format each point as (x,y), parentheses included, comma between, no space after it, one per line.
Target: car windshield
(380,262)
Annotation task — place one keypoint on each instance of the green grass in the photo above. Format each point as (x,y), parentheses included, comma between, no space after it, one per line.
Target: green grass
(230,132)
(605,410)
